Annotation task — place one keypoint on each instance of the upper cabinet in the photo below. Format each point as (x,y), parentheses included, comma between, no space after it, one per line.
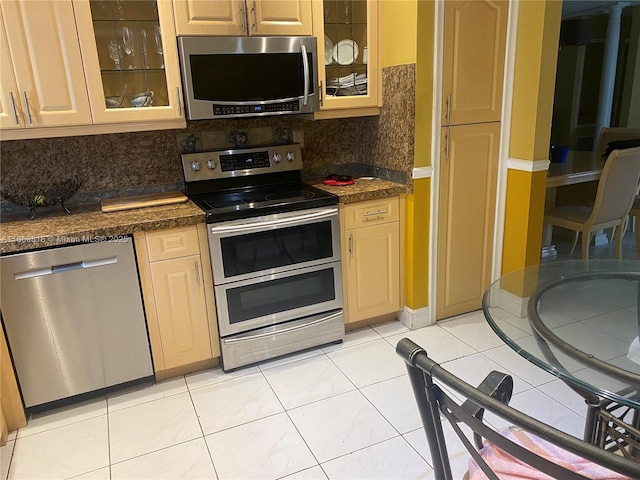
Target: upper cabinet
(348,57)
(42,80)
(130,60)
(81,67)
(240,17)
(473,71)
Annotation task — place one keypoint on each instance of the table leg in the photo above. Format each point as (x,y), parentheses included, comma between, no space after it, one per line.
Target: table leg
(548,248)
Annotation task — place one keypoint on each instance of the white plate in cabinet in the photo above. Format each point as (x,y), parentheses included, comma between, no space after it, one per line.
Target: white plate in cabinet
(348,88)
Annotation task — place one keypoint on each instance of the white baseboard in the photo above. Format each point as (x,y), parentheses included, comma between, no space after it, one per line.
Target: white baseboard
(513,304)
(413,319)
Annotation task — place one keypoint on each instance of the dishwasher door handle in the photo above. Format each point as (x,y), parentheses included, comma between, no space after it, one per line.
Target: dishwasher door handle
(66,267)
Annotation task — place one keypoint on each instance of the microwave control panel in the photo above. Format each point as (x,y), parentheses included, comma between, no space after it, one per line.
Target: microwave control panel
(222,110)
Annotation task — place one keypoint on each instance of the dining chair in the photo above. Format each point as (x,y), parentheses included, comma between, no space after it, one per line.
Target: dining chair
(525,449)
(612,136)
(635,212)
(614,197)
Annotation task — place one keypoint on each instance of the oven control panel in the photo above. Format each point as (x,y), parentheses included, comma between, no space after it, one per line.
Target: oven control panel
(240,162)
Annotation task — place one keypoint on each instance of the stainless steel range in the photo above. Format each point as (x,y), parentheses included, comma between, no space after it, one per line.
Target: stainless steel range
(275,251)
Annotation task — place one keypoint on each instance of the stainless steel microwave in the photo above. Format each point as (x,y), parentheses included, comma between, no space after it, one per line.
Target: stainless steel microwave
(227,77)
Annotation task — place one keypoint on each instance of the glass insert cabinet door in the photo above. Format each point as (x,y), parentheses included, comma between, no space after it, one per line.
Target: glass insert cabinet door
(348,52)
(129,46)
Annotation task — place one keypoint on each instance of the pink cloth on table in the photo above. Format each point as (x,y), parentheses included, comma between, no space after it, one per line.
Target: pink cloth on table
(508,467)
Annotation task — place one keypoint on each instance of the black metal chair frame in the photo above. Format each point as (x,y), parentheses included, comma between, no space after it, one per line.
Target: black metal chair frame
(492,395)
(605,424)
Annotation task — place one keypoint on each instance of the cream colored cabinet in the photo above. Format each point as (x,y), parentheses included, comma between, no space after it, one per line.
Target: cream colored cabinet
(466,213)
(81,67)
(130,60)
(177,288)
(12,410)
(43,83)
(240,17)
(473,69)
(348,57)
(371,259)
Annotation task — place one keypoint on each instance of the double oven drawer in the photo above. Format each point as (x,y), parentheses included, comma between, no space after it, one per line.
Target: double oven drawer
(276,268)
(253,247)
(278,297)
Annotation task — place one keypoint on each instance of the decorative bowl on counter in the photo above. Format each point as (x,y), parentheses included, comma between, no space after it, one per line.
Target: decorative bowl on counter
(41,195)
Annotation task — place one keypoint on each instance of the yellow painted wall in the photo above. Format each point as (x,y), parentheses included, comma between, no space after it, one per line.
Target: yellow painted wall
(398,30)
(533,91)
(534,78)
(418,207)
(406,36)
(523,219)
(424,83)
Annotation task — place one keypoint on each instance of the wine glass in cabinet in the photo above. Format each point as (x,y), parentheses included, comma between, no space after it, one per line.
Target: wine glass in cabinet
(131,75)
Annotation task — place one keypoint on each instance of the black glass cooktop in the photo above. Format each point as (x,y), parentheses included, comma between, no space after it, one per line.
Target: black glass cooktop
(264,200)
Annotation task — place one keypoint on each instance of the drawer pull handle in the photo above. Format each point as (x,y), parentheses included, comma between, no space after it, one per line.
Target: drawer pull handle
(371,214)
(66,267)
(255,17)
(26,107)
(13,107)
(243,27)
(197,267)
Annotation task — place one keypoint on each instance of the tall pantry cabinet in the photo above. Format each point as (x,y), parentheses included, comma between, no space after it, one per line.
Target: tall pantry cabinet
(473,70)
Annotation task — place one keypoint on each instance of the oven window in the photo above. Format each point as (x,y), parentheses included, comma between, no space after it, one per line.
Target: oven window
(274,296)
(255,252)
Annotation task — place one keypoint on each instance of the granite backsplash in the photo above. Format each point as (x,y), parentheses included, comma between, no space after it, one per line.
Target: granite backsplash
(109,165)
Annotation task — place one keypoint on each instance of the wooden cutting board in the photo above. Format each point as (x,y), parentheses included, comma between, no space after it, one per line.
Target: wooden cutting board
(139,201)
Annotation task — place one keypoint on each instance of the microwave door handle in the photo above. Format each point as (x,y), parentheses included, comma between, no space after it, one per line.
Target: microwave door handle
(245,227)
(305,65)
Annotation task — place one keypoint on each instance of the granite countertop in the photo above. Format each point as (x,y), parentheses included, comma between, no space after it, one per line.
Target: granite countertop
(362,189)
(90,224)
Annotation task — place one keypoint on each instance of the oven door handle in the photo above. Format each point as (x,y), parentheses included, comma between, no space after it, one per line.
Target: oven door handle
(284,330)
(246,227)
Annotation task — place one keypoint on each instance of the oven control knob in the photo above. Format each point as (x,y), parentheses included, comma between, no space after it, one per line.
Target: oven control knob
(195,166)
(277,157)
(211,164)
(291,156)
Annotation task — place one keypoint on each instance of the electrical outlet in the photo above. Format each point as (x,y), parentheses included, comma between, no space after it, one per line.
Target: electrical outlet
(298,137)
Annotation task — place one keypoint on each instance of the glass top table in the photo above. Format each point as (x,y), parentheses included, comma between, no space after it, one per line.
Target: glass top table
(578,320)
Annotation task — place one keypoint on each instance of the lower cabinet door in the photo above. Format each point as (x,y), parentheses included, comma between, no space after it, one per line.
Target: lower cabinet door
(181,308)
(373,271)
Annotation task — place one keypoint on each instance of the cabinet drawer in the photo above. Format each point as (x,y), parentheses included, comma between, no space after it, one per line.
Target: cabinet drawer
(371,212)
(172,243)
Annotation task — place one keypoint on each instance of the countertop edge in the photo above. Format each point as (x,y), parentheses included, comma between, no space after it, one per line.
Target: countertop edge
(95,225)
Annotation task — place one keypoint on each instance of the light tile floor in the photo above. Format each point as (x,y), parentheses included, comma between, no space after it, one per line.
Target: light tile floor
(341,411)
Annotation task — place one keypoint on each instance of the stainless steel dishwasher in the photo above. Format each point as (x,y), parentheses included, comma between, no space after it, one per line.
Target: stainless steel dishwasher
(74,320)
